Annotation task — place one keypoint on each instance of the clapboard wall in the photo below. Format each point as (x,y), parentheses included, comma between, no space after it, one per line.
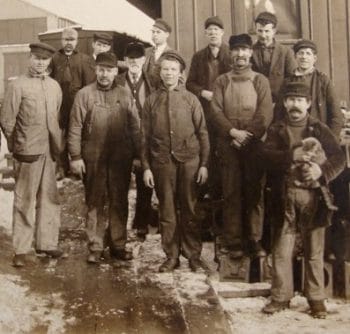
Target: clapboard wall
(327,22)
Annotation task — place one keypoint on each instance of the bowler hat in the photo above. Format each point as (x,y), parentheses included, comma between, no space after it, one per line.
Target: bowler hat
(173,55)
(296,88)
(303,44)
(266,18)
(69,33)
(242,40)
(103,37)
(107,59)
(215,20)
(42,49)
(135,50)
(162,24)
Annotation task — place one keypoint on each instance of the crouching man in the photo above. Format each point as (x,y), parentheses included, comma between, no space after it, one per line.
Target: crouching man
(297,207)
(102,141)
(29,119)
(175,150)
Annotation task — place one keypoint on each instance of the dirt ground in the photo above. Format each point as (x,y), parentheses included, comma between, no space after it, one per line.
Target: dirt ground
(69,296)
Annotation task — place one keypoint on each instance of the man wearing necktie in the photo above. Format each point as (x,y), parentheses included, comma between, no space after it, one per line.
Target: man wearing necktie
(137,82)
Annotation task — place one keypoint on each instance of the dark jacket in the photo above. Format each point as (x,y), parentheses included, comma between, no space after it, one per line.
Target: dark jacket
(103,124)
(283,65)
(276,155)
(324,106)
(198,76)
(173,126)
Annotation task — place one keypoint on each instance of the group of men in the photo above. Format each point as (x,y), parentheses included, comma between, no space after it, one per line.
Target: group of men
(237,123)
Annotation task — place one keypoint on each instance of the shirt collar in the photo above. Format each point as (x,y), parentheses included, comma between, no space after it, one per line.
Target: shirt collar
(300,74)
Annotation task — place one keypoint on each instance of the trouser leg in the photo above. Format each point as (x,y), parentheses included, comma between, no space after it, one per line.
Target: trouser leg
(119,173)
(95,182)
(48,208)
(28,176)
(190,238)
(165,175)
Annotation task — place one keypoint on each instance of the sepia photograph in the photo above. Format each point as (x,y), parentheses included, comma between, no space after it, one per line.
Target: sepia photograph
(175,166)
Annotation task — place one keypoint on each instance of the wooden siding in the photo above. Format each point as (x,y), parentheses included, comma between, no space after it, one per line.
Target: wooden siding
(327,22)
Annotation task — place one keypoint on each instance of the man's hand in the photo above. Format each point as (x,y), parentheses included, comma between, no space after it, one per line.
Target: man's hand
(148,178)
(202,176)
(77,167)
(241,136)
(313,172)
(207,94)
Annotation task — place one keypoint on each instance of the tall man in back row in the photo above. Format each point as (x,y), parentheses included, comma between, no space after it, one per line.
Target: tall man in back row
(30,121)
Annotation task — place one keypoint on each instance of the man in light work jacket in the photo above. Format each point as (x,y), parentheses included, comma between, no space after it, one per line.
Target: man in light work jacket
(137,83)
(175,150)
(103,140)
(271,58)
(30,121)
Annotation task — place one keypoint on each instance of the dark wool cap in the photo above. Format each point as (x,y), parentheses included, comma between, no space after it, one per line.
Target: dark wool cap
(42,49)
(215,20)
(173,55)
(135,50)
(103,37)
(266,18)
(107,59)
(242,40)
(163,25)
(304,43)
(296,88)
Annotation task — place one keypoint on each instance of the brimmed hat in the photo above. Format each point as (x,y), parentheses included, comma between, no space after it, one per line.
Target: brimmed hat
(135,50)
(103,37)
(296,88)
(42,49)
(266,18)
(215,20)
(304,43)
(69,33)
(173,55)
(163,25)
(107,59)
(242,40)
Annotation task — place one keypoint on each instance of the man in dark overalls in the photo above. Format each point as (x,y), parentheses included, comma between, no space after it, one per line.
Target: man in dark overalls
(102,142)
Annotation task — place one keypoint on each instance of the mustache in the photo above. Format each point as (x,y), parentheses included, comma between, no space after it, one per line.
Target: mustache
(295,109)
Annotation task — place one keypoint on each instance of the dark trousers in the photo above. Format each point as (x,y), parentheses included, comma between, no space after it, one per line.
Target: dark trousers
(175,185)
(107,182)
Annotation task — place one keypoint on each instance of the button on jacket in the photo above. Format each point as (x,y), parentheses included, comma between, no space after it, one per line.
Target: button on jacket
(173,125)
(29,115)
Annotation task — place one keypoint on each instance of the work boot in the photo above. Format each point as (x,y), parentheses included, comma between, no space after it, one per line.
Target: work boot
(275,306)
(195,264)
(19,260)
(256,249)
(169,265)
(54,253)
(94,257)
(121,254)
(141,234)
(318,309)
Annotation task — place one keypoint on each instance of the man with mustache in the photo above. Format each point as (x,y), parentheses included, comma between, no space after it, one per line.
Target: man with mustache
(241,111)
(296,208)
(72,70)
(103,140)
(30,121)
(271,58)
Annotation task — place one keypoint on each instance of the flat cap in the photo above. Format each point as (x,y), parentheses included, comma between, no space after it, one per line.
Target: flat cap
(215,20)
(242,40)
(42,49)
(163,25)
(69,33)
(173,55)
(103,37)
(296,88)
(303,44)
(266,18)
(135,50)
(108,59)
